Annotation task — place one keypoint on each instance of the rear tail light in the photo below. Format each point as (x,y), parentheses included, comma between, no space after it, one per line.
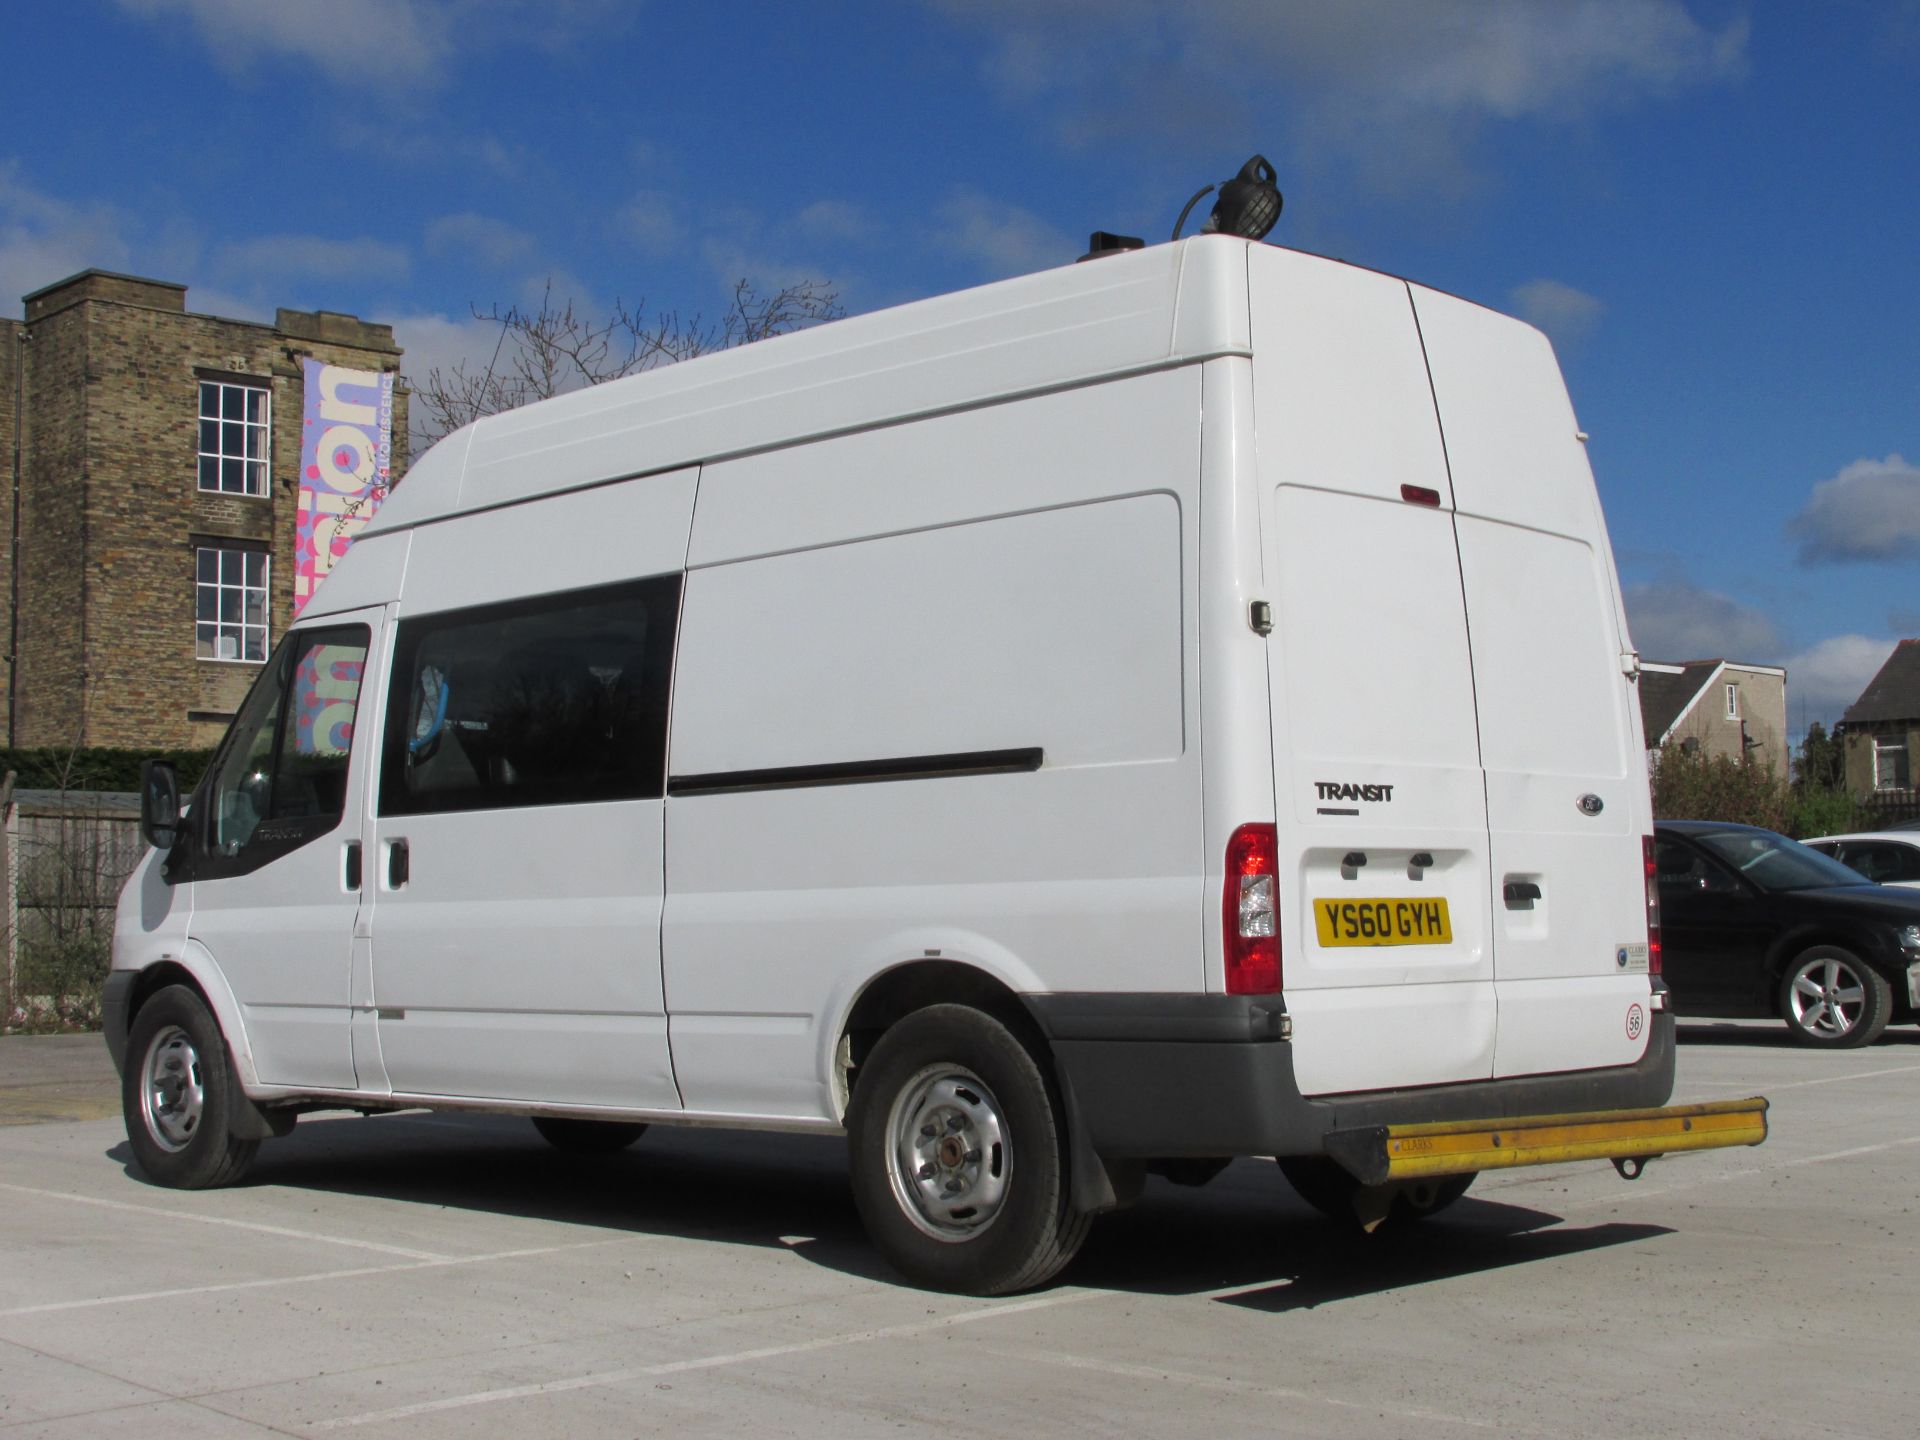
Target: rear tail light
(1653,904)
(1250,918)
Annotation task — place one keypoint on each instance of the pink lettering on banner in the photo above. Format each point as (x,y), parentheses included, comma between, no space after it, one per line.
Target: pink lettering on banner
(346,458)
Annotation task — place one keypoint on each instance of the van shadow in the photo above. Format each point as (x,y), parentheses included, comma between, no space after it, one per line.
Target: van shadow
(1246,1233)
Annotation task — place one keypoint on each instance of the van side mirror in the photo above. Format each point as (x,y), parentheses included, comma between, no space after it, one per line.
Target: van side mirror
(159,804)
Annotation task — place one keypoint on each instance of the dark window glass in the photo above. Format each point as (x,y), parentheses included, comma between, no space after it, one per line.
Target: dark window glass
(555,701)
(285,759)
(1776,863)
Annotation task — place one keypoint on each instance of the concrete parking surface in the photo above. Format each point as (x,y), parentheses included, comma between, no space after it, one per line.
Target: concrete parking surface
(426,1275)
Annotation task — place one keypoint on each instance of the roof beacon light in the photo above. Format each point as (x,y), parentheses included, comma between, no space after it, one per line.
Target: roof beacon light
(1248,206)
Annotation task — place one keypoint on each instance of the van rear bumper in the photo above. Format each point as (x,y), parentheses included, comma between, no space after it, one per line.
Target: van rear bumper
(1164,1076)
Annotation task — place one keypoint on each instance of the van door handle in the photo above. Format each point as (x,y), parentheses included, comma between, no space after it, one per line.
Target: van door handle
(352,875)
(1520,892)
(399,864)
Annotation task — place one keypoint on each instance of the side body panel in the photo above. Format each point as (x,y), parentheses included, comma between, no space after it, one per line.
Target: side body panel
(518,957)
(1015,578)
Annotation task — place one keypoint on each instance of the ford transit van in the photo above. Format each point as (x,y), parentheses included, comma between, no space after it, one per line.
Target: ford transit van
(1165,709)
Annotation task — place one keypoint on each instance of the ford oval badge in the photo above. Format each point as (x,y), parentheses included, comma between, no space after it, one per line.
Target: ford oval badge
(1591,804)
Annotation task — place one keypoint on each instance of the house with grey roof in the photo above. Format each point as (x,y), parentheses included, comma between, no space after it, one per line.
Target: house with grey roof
(1717,707)
(1881,732)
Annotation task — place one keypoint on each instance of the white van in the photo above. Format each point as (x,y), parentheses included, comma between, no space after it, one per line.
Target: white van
(1160,710)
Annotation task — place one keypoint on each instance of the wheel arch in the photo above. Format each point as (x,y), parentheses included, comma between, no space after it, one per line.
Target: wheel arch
(913,985)
(193,967)
(895,993)
(1796,942)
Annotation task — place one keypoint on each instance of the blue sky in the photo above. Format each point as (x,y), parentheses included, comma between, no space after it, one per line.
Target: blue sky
(1713,206)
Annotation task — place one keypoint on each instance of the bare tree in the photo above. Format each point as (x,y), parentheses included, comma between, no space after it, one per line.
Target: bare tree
(554,348)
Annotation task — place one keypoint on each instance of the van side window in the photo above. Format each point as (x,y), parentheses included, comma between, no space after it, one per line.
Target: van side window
(280,779)
(560,700)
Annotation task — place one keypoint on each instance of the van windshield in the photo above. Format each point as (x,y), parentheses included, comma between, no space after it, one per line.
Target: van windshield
(1776,863)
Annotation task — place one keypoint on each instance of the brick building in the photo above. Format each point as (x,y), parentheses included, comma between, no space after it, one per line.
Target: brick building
(154,456)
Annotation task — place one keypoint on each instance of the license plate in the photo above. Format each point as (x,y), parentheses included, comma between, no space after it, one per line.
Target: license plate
(1382,921)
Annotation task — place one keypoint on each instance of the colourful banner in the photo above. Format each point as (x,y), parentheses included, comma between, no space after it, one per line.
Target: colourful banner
(346,459)
(326,690)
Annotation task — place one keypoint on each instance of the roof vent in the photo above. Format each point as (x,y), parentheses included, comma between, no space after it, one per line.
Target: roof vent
(1101,244)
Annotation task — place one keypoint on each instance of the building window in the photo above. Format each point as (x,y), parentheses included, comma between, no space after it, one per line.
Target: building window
(1733,702)
(1890,765)
(233,437)
(230,604)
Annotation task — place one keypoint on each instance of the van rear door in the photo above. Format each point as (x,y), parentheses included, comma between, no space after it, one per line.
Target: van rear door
(1558,715)
(1379,803)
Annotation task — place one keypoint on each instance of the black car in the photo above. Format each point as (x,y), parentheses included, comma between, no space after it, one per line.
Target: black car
(1755,924)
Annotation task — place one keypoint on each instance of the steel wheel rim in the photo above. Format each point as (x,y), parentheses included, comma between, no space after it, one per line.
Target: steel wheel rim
(1827,997)
(948,1155)
(172,1093)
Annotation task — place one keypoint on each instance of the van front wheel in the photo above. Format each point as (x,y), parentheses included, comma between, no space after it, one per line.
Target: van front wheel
(176,1091)
(957,1152)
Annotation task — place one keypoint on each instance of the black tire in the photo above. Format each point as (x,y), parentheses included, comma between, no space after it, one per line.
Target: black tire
(177,1093)
(957,1151)
(1833,1000)
(1332,1190)
(588,1137)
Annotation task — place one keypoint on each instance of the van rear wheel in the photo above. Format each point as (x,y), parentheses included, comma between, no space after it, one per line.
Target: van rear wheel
(176,1093)
(957,1151)
(1331,1189)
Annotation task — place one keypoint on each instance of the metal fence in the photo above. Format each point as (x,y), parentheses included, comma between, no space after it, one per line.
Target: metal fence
(1890,807)
(65,856)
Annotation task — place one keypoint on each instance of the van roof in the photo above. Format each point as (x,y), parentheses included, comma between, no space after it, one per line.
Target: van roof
(1123,314)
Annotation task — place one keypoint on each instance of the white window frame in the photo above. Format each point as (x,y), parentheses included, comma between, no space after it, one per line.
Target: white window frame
(235,448)
(230,609)
(1733,702)
(1886,770)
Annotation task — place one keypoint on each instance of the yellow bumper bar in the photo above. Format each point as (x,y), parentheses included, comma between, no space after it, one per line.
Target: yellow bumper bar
(1380,1154)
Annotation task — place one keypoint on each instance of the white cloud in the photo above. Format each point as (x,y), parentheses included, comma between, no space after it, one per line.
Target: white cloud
(368,43)
(282,259)
(431,342)
(1869,511)
(469,236)
(833,220)
(44,239)
(1824,679)
(1673,620)
(1397,88)
(1000,238)
(1566,314)
(652,219)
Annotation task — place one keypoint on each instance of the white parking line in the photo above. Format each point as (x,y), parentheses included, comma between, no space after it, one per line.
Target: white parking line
(136,1297)
(1748,1172)
(1842,1079)
(704,1362)
(231,1224)
(1160,1373)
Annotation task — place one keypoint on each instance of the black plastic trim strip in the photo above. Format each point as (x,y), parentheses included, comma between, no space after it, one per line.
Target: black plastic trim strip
(860,772)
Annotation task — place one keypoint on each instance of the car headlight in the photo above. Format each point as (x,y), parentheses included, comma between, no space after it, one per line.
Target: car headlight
(1910,938)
